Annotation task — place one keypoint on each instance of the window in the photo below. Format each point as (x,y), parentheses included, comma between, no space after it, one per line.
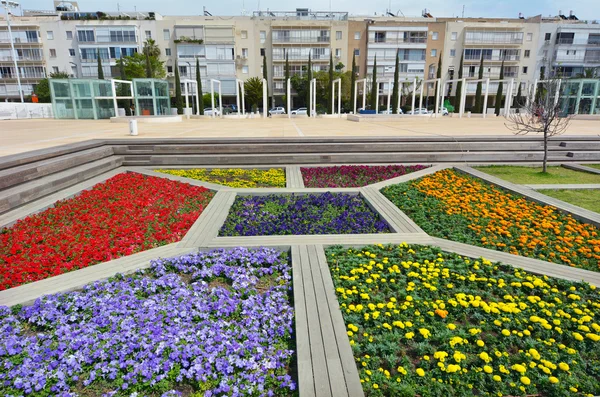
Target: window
(380,37)
(527,53)
(54,69)
(245,69)
(431,71)
(357,69)
(453,36)
(71,52)
(452,53)
(166,34)
(169,69)
(434,53)
(262,52)
(244,53)
(52,53)
(529,36)
(338,35)
(525,69)
(69,35)
(85,36)
(548,36)
(357,52)
(263,36)
(148,34)
(244,34)
(356,35)
(434,36)
(338,52)
(168,52)
(50,35)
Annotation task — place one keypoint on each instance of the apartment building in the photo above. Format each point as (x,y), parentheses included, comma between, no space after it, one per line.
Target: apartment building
(29,53)
(513,41)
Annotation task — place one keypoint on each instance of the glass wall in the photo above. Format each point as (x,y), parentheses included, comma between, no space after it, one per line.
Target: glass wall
(151,97)
(81,99)
(580,96)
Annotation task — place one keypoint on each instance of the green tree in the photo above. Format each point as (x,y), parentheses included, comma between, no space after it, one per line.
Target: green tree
(519,98)
(253,90)
(353,80)
(309,78)
(199,88)
(100,70)
(478,99)
(499,92)
(374,87)
(178,98)
(329,95)
(395,92)
(438,76)
(458,96)
(122,88)
(266,77)
(135,67)
(42,88)
(151,48)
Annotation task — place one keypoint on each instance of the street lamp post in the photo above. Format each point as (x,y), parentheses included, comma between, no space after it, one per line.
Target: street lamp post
(7,5)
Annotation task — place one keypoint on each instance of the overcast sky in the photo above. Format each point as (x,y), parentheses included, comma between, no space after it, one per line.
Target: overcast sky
(584,9)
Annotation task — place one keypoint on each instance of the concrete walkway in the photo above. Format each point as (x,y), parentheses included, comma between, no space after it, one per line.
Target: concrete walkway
(18,136)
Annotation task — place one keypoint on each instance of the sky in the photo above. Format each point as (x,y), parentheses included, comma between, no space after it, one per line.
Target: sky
(584,9)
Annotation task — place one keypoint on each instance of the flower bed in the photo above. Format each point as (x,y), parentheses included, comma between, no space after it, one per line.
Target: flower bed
(462,208)
(126,214)
(215,323)
(234,177)
(428,323)
(327,213)
(354,175)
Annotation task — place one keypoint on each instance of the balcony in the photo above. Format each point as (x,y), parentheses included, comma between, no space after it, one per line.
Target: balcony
(416,40)
(498,58)
(301,40)
(38,58)
(418,58)
(304,58)
(19,40)
(579,42)
(493,37)
(29,75)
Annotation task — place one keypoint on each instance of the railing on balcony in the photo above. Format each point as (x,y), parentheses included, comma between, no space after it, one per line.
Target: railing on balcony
(498,58)
(37,58)
(308,40)
(416,40)
(586,42)
(313,57)
(414,58)
(493,37)
(27,75)
(20,40)
(592,59)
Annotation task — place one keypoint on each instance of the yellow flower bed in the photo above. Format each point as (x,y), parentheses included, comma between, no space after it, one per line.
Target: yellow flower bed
(422,321)
(234,177)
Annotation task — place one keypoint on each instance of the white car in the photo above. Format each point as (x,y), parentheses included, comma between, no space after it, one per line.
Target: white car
(277,110)
(419,111)
(300,111)
(209,112)
(391,111)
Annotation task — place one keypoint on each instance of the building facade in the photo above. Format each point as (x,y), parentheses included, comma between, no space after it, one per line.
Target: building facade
(230,48)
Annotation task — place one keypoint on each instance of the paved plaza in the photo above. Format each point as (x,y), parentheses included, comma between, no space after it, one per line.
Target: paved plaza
(17,136)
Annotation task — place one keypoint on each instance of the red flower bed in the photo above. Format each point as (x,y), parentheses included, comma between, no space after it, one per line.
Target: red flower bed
(126,214)
(354,175)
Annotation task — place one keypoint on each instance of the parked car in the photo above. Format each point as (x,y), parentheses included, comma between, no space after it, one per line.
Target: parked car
(231,107)
(277,110)
(391,111)
(209,112)
(419,111)
(300,111)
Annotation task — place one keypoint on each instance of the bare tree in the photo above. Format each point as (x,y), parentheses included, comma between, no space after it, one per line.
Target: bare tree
(541,114)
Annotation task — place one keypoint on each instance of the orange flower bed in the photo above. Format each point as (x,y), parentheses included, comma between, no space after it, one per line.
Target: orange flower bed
(462,208)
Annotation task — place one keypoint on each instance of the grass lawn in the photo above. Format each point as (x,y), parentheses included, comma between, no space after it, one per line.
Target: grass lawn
(585,198)
(534,176)
(593,165)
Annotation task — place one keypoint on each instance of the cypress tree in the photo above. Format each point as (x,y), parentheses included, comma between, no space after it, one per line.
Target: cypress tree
(457,96)
(499,93)
(330,94)
(199,88)
(438,75)
(287,76)
(309,78)
(374,87)
(395,92)
(519,98)
(100,70)
(148,66)
(353,80)
(178,98)
(478,100)
(266,77)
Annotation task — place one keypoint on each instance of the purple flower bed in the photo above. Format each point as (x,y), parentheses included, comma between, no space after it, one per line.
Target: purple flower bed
(327,213)
(353,175)
(217,323)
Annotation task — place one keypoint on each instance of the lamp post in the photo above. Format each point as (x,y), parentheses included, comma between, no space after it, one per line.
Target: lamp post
(7,5)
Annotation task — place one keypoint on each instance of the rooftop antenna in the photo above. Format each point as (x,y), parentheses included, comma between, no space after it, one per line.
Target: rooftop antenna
(118,8)
(243,7)
(463,13)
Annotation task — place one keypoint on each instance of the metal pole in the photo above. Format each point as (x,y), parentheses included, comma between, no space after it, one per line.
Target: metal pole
(463,96)
(237,96)
(414,94)
(339,97)
(212,98)
(220,101)
(421,96)
(197,100)
(265,110)
(14,55)
(187,100)
(485,98)
(288,98)
(437,96)
(557,92)
(243,100)
(389,96)
(399,98)
(364,93)
(355,94)
(114,92)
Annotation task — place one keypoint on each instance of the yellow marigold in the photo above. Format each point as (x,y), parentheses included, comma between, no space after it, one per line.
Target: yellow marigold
(497,378)
(480,343)
(451,326)
(487,369)
(420,372)
(564,366)
(505,332)
(525,380)
(519,368)
(552,379)
(453,368)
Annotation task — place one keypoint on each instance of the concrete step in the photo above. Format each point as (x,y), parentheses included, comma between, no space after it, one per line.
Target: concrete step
(587,156)
(251,158)
(586,146)
(28,172)
(22,194)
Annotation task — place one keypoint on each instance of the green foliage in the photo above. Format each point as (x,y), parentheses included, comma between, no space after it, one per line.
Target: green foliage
(329,95)
(100,70)
(478,108)
(42,89)
(135,67)
(396,90)
(352,81)
(498,103)
(457,96)
(199,82)
(266,77)
(253,90)
(307,86)
(178,98)
(374,86)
